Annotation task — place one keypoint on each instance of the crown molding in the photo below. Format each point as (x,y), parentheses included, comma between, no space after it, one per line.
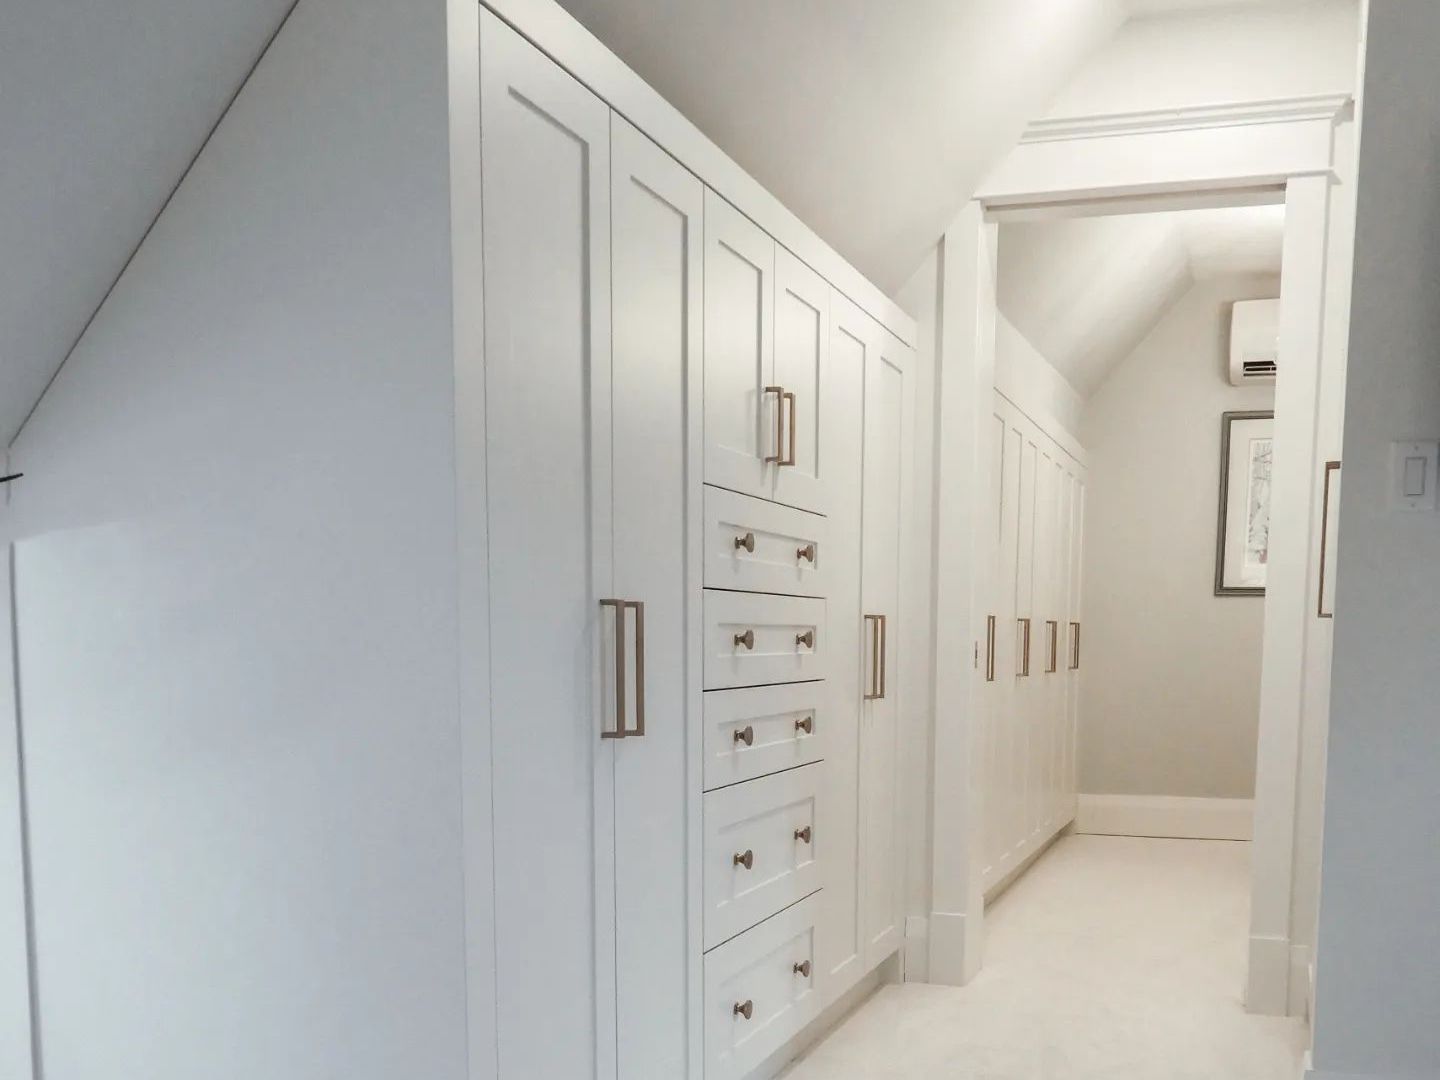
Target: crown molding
(1329,107)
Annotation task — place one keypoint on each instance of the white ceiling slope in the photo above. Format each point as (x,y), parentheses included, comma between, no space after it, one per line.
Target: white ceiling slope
(873,122)
(102,107)
(1085,292)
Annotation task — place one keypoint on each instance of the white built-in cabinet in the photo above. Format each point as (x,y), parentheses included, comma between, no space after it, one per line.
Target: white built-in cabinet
(698,498)
(1030,642)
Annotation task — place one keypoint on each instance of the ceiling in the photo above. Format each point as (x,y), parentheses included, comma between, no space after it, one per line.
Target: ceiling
(872,122)
(102,107)
(1086,291)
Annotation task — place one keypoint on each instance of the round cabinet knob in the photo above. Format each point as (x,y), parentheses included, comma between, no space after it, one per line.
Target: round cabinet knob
(746,639)
(745,543)
(805,724)
(802,968)
(745,859)
(746,735)
(803,835)
(807,553)
(807,639)
(745,1008)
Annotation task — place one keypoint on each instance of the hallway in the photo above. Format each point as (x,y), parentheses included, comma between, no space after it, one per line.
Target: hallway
(1113,958)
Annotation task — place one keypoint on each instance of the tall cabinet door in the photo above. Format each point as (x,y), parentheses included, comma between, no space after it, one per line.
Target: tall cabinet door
(657,215)
(840,951)
(743,416)
(802,371)
(888,410)
(546,198)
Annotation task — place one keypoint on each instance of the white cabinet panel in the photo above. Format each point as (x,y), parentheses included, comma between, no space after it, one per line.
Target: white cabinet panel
(760,990)
(753,639)
(657,211)
(742,419)
(764,729)
(760,546)
(546,191)
(761,850)
(802,369)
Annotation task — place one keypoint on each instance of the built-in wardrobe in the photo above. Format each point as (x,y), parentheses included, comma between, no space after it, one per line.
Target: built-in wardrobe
(698,474)
(1031,646)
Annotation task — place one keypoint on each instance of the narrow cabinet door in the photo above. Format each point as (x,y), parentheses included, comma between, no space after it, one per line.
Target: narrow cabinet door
(657,215)
(840,951)
(743,415)
(546,199)
(886,504)
(802,369)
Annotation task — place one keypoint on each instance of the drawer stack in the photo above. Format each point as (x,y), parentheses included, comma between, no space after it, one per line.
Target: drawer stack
(765,662)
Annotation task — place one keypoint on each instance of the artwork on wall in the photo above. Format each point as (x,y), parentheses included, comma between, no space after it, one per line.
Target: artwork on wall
(1247,453)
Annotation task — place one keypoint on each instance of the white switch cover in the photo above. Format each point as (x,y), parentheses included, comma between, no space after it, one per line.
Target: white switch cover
(1415,476)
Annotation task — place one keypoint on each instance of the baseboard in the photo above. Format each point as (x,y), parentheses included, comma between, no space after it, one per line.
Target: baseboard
(954,959)
(1267,986)
(1168,816)
(916,950)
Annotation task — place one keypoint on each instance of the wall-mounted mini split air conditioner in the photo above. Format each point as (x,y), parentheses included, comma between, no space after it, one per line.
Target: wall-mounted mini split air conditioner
(1254,341)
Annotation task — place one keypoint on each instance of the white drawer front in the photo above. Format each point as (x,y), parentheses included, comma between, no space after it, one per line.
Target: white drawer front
(763,729)
(761,844)
(762,546)
(765,968)
(755,640)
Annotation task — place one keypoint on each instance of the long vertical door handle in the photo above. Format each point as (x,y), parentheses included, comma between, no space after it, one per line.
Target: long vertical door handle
(884,653)
(1024,671)
(990,622)
(873,622)
(1074,646)
(1052,665)
(622,668)
(789,398)
(778,458)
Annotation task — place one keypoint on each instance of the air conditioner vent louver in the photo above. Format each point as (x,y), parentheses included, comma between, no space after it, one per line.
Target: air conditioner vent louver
(1254,342)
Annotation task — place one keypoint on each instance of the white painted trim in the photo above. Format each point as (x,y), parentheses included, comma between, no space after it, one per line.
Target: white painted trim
(579,52)
(915,951)
(1166,816)
(1330,107)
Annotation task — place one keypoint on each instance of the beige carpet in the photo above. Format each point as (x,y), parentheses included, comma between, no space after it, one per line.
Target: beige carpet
(1113,958)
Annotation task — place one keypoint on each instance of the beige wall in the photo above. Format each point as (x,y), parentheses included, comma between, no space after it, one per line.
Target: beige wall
(1170,694)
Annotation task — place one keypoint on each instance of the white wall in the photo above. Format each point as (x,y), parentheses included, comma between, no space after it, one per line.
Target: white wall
(1029,380)
(1170,697)
(1205,57)
(235,581)
(1378,990)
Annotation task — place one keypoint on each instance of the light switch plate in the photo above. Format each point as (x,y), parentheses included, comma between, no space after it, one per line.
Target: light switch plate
(1415,476)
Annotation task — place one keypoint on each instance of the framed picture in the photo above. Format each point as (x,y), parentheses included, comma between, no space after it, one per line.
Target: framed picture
(1242,549)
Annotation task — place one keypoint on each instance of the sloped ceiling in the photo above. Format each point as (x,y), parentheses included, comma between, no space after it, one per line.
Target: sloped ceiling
(871,121)
(1086,291)
(102,107)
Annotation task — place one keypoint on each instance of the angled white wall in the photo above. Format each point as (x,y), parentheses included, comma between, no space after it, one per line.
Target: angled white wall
(238,522)
(1378,985)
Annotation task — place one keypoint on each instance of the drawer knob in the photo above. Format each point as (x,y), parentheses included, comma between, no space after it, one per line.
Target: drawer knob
(805,724)
(807,553)
(802,968)
(745,1008)
(746,639)
(746,542)
(745,859)
(803,835)
(746,735)
(807,639)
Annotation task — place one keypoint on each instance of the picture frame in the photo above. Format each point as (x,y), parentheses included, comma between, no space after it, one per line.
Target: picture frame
(1242,546)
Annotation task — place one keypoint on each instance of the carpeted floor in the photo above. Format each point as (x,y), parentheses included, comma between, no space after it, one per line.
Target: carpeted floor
(1113,958)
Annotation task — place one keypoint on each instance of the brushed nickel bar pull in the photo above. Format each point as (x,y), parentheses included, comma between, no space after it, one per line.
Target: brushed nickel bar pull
(1024,672)
(638,606)
(794,419)
(1052,665)
(620,607)
(745,735)
(807,553)
(807,639)
(990,621)
(747,639)
(778,458)
(873,694)
(1331,468)
(1074,646)
(746,542)
(884,654)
